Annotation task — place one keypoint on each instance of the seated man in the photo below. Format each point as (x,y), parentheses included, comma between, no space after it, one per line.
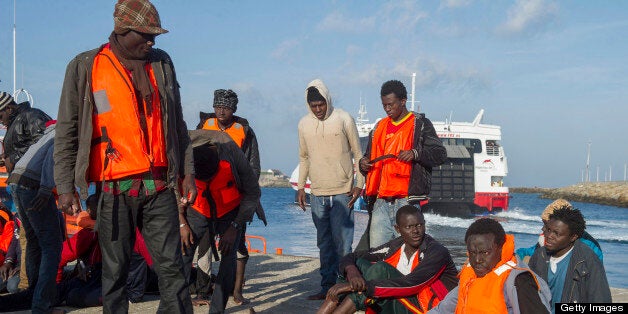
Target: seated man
(81,287)
(10,250)
(586,238)
(228,196)
(493,281)
(571,268)
(408,274)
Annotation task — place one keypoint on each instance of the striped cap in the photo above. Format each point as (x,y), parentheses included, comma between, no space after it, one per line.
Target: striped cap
(5,100)
(138,15)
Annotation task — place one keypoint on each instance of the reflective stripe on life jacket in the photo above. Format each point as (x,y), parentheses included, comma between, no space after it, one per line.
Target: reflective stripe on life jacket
(235,131)
(427,297)
(390,177)
(486,294)
(220,194)
(135,140)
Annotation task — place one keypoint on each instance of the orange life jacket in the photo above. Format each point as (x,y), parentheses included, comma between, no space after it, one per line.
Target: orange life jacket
(5,238)
(235,131)
(223,191)
(390,177)
(427,298)
(117,123)
(486,294)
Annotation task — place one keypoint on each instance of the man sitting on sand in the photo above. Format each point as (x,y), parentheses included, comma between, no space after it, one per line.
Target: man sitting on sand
(494,280)
(409,274)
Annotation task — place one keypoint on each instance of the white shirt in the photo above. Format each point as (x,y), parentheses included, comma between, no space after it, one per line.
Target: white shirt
(555,260)
(404,265)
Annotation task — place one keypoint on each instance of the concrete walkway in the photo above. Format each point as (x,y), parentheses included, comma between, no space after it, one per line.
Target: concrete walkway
(274,284)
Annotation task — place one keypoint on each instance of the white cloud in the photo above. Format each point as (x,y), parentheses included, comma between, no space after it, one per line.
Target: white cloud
(338,22)
(526,15)
(452,4)
(393,16)
(398,16)
(431,74)
(284,48)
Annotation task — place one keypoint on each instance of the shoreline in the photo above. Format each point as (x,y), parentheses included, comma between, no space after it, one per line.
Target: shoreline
(602,193)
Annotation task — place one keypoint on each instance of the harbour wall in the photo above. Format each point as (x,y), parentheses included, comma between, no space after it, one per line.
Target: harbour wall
(605,193)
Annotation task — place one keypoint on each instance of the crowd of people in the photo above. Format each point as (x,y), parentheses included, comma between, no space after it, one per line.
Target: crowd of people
(162,194)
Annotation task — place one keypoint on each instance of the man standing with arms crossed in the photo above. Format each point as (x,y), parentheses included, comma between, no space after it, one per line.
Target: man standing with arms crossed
(328,144)
(120,125)
(398,163)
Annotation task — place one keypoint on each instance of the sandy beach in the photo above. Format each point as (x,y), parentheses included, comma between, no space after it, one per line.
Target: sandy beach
(274,284)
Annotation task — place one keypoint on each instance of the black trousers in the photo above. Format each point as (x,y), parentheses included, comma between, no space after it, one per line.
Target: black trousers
(226,272)
(157,218)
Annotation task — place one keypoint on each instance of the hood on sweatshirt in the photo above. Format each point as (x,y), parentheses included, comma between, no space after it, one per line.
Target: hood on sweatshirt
(320,86)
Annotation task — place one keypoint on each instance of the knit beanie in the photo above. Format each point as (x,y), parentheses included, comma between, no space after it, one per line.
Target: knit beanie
(5,100)
(226,98)
(314,95)
(138,15)
(559,203)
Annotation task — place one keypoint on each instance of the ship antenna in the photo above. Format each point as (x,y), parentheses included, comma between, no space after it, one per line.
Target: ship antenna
(413,91)
(362,112)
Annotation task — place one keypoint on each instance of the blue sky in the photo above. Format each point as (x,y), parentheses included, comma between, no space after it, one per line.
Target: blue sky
(553,74)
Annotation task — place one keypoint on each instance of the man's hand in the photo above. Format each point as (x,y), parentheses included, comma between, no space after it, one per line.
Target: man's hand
(5,270)
(301,197)
(405,156)
(365,165)
(69,203)
(187,238)
(338,289)
(355,279)
(227,240)
(188,186)
(354,193)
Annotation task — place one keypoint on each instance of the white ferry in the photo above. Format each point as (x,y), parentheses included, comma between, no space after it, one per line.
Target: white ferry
(471,181)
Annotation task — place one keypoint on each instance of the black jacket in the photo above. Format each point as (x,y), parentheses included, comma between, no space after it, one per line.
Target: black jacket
(246,180)
(249,147)
(585,281)
(24,130)
(430,151)
(434,259)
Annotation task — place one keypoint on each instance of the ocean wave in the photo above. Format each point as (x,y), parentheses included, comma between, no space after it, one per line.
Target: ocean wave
(519,214)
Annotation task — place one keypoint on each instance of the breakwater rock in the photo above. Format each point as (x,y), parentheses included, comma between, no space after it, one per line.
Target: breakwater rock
(605,193)
(270,181)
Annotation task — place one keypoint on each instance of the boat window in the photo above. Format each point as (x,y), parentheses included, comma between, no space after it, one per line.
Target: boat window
(492,147)
(473,145)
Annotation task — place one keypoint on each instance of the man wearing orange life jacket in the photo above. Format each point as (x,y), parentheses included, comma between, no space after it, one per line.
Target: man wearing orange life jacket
(409,274)
(402,149)
(494,281)
(228,197)
(120,125)
(238,128)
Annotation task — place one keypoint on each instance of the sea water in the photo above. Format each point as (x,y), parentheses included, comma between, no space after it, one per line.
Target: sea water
(292,230)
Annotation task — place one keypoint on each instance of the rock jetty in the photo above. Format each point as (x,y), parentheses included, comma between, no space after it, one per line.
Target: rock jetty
(605,193)
(272,178)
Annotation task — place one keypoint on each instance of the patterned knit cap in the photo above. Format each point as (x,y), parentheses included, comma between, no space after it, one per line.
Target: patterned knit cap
(5,100)
(138,15)
(559,203)
(226,98)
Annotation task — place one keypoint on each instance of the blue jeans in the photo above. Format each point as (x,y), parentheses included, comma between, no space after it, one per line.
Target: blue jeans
(383,220)
(43,247)
(334,233)
(11,284)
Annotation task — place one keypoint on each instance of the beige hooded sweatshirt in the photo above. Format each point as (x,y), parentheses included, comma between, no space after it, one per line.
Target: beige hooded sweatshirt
(328,148)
